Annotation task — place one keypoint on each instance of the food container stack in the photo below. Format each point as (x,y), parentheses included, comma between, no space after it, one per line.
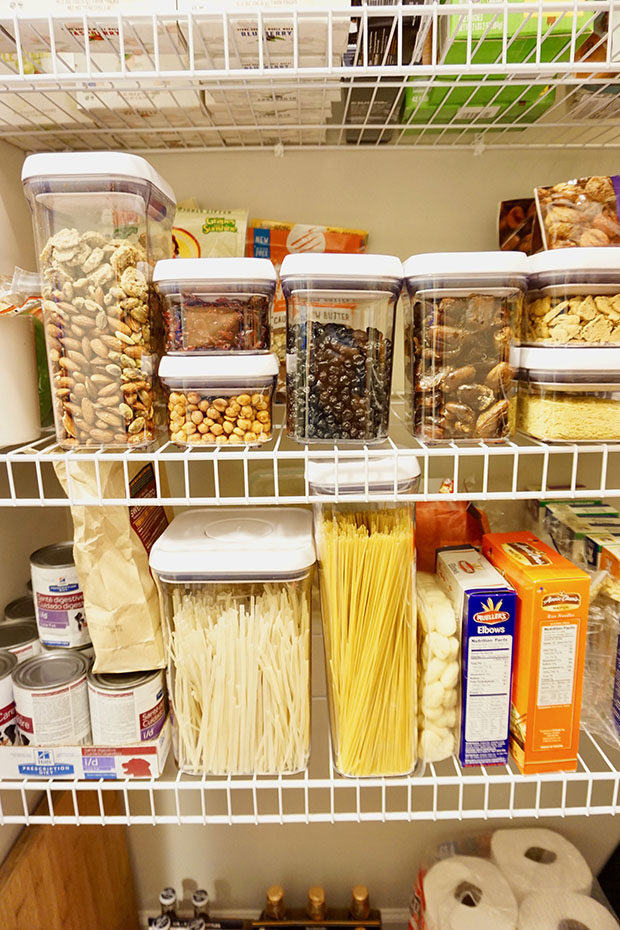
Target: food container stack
(218,375)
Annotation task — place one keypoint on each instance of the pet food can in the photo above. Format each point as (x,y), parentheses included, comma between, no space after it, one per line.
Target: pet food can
(51,699)
(21,638)
(126,708)
(87,649)
(58,597)
(20,609)
(8,720)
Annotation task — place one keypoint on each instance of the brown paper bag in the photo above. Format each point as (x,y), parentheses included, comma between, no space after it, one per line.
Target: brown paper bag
(111,547)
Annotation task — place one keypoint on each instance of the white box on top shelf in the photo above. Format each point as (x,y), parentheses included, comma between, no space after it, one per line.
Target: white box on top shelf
(37,110)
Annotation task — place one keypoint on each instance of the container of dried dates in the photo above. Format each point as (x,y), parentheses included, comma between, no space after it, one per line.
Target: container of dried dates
(221,400)
(573,298)
(581,212)
(340,335)
(463,311)
(101,220)
(216,304)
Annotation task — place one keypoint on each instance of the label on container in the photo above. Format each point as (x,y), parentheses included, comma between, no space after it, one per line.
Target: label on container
(55,716)
(556,668)
(25,651)
(127,717)
(59,606)
(8,716)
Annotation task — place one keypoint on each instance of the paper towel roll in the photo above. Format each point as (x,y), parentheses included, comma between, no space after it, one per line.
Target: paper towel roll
(467,893)
(539,860)
(562,911)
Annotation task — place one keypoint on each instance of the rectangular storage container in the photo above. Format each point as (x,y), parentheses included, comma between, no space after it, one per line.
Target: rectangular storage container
(101,221)
(366,556)
(235,587)
(573,298)
(216,304)
(340,332)
(464,310)
(569,394)
(219,400)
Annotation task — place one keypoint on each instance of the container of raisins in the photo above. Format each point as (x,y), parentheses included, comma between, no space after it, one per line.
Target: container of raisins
(216,305)
(339,345)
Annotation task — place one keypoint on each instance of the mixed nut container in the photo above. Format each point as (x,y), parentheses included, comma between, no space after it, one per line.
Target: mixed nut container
(101,221)
(235,589)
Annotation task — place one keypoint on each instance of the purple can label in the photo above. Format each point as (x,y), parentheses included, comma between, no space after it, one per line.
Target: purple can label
(59,604)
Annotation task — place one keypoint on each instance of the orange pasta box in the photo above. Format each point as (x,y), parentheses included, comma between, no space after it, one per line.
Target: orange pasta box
(550,644)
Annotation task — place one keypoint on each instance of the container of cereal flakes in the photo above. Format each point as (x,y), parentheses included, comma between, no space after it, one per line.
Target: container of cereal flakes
(101,221)
(573,298)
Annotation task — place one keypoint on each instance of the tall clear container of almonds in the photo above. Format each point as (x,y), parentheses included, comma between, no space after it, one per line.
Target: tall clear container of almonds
(101,220)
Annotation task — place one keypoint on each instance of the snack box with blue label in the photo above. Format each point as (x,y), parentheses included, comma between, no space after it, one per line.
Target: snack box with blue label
(486,606)
(143,760)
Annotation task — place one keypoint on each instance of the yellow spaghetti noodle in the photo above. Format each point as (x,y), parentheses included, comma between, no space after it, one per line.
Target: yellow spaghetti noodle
(367,598)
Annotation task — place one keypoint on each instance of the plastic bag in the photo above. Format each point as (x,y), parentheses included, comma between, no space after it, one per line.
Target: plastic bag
(209,233)
(581,212)
(518,226)
(446,523)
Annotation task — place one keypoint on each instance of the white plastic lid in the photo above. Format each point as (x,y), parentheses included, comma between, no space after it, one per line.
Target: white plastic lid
(237,543)
(451,265)
(334,265)
(238,270)
(575,259)
(557,363)
(351,474)
(78,164)
(218,370)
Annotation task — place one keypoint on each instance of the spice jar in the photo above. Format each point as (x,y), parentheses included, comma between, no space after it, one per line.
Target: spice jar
(340,330)
(464,308)
(366,554)
(569,394)
(216,304)
(101,221)
(219,400)
(235,587)
(573,298)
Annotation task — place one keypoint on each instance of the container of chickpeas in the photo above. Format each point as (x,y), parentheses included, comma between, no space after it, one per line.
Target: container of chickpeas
(219,400)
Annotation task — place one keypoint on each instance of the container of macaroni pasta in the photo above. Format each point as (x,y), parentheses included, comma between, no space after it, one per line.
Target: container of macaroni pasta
(569,394)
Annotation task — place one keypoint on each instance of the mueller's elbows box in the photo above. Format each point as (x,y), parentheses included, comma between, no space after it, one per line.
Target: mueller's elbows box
(552,618)
(486,607)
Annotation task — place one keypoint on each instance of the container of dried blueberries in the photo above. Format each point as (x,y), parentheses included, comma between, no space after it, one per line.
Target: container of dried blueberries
(340,332)
(101,221)
(216,304)
(219,399)
(463,311)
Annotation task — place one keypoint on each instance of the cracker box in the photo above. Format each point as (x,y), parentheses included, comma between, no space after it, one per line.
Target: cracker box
(552,617)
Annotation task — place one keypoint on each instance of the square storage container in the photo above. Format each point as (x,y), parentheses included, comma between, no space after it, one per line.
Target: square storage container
(366,554)
(219,400)
(464,310)
(573,298)
(569,394)
(235,586)
(216,304)
(340,332)
(101,221)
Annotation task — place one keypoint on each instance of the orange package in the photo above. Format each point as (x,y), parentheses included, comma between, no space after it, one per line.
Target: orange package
(552,618)
(446,524)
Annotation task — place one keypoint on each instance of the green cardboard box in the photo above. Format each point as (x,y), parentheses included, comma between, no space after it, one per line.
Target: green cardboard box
(523,104)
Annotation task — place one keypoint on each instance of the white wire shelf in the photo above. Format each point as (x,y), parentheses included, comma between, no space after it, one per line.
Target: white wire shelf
(445,75)
(276,473)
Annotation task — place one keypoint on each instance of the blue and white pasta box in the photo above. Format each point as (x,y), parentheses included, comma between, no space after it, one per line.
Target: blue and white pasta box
(486,605)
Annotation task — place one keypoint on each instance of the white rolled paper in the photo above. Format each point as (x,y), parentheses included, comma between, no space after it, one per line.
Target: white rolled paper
(562,911)
(467,893)
(539,860)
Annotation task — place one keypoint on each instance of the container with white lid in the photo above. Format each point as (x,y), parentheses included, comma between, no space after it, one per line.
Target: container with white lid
(235,589)
(569,394)
(573,298)
(216,304)
(219,399)
(464,310)
(340,332)
(101,221)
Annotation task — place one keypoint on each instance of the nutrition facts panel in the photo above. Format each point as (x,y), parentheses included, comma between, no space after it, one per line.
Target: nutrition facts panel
(556,673)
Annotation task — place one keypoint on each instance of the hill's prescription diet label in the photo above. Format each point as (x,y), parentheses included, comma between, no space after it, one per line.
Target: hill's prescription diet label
(58,597)
(127,708)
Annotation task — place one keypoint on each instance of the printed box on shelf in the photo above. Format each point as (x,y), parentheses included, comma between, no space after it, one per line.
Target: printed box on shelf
(595,543)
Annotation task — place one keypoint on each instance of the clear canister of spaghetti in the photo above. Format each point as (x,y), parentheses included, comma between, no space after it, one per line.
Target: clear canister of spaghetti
(365,538)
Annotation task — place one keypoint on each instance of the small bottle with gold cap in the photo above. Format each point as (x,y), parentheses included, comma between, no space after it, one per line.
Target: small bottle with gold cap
(316,907)
(274,904)
(360,903)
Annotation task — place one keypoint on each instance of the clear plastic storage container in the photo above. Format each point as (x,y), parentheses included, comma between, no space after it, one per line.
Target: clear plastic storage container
(219,400)
(235,587)
(340,332)
(569,394)
(366,556)
(101,221)
(216,304)
(573,298)
(464,310)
